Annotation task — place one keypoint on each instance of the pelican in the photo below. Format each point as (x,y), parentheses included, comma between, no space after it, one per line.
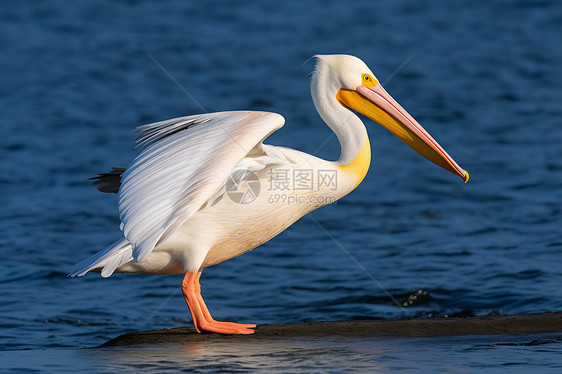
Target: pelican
(205,188)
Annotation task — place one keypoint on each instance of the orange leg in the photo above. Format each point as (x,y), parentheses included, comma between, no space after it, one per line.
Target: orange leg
(201,317)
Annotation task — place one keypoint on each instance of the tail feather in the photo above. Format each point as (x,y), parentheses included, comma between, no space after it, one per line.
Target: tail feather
(117,260)
(110,259)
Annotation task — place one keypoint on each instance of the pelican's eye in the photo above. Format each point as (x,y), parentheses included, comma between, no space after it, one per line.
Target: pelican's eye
(367,80)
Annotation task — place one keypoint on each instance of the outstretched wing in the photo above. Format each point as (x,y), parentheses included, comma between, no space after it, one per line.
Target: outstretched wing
(183,162)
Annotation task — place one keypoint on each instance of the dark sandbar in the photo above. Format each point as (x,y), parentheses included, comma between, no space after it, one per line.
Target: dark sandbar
(428,327)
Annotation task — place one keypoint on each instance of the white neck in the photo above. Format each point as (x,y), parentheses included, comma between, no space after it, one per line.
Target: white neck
(349,129)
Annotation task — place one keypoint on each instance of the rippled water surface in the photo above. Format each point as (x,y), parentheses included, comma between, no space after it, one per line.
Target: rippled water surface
(463,354)
(483,77)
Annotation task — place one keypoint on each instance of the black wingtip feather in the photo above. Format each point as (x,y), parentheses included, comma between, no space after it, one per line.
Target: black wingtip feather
(108,182)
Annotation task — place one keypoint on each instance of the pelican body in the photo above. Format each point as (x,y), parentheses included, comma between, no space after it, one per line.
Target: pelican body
(205,188)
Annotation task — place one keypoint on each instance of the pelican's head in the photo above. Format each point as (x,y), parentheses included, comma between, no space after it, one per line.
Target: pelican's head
(355,87)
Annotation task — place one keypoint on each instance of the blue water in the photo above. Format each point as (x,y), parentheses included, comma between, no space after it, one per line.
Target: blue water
(513,354)
(484,78)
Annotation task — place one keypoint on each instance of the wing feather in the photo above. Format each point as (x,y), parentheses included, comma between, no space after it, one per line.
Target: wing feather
(108,182)
(183,162)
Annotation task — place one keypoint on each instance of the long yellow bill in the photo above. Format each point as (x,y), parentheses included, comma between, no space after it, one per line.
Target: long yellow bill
(374,102)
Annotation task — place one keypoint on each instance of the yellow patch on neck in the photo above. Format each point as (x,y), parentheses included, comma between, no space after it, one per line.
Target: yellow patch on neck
(360,164)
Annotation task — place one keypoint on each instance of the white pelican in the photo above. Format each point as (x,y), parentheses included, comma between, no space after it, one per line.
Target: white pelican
(179,201)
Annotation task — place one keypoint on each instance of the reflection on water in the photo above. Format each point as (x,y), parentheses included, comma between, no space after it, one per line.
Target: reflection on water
(282,355)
